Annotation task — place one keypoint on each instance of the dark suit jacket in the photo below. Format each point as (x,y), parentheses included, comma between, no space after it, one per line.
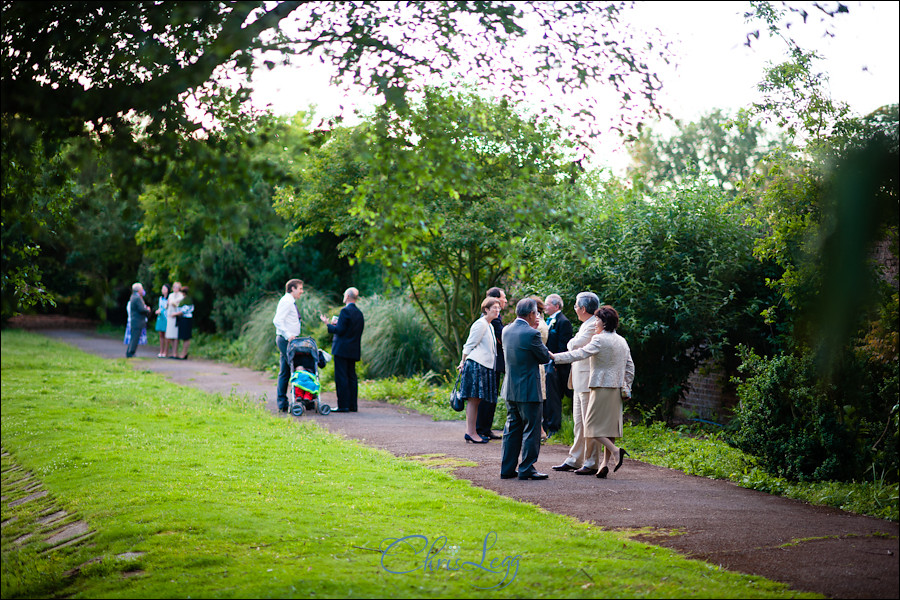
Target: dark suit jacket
(500,365)
(560,333)
(347,332)
(524,352)
(139,311)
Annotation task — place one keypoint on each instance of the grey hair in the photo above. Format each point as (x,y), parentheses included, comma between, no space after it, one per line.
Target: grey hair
(589,301)
(136,286)
(525,307)
(556,300)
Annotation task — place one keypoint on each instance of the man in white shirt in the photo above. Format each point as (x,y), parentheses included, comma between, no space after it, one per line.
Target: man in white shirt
(287,327)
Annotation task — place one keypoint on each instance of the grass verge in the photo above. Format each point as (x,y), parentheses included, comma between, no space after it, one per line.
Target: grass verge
(211,496)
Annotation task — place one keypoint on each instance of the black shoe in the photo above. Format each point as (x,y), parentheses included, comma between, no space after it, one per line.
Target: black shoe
(535,475)
(513,476)
(586,471)
(564,467)
(491,436)
(622,455)
(340,410)
(481,440)
(602,473)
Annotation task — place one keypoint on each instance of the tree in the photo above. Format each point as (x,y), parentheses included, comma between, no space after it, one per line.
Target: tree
(482,176)
(725,150)
(163,80)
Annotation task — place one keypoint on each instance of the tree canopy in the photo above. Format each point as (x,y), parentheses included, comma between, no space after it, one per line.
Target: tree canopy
(481,176)
(166,84)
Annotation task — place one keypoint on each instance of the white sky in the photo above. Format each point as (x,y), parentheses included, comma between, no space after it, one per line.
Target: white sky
(715,69)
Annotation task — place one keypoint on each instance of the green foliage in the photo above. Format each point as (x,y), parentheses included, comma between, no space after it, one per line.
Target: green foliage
(678,268)
(472,177)
(164,87)
(808,428)
(723,150)
(707,454)
(36,196)
(230,249)
(396,340)
(258,333)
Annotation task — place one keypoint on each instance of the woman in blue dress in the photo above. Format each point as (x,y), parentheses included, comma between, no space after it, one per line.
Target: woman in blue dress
(161,320)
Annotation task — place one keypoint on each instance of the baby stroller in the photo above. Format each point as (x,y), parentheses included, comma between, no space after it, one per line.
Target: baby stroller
(306,360)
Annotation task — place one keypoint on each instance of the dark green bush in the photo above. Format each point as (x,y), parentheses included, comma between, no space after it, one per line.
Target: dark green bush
(808,427)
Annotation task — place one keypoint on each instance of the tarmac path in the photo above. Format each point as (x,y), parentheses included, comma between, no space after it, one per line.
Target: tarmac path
(810,548)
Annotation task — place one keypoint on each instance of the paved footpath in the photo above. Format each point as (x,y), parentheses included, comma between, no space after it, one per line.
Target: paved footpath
(810,548)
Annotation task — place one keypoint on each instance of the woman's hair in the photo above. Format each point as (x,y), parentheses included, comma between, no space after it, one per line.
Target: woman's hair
(487,303)
(609,316)
(539,302)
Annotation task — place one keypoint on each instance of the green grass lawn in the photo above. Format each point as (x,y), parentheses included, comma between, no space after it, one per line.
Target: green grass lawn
(218,498)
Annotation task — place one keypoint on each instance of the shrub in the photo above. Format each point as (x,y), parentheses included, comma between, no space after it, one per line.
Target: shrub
(808,427)
(396,341)
(258,333)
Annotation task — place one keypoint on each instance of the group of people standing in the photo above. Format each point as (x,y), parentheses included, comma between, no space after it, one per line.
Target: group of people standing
(532,381)
(173,321)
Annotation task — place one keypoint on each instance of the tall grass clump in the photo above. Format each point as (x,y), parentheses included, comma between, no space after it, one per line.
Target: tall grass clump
(258,333)
(396,341)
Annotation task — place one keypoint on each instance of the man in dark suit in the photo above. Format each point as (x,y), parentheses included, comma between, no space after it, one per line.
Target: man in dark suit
(139,312)
(557,375)
(522,391)
(347,330)
(484,422)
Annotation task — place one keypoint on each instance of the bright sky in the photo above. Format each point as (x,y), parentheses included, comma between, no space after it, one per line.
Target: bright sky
(715,69)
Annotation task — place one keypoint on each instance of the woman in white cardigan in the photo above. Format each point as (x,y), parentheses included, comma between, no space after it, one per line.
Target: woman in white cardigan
(479,357)
(612,373)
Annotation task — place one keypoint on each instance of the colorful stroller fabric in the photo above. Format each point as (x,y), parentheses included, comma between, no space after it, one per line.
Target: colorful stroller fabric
(306,381)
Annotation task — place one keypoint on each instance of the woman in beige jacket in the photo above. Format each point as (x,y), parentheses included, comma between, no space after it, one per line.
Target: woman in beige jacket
(612,373)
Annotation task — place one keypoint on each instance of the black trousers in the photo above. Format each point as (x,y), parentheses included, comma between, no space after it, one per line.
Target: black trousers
(553,404)
(345,382)
(522,434)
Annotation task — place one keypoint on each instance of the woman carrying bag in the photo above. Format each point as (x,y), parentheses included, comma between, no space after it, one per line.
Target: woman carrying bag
(479,357)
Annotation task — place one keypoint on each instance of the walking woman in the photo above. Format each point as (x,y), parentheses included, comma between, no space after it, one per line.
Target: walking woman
(612,373)
(479,358)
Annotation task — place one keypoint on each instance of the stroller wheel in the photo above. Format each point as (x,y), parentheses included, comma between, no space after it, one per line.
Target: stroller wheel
(324,409)
(297,409)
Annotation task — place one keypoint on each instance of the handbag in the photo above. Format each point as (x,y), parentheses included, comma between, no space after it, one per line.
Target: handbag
(457,402)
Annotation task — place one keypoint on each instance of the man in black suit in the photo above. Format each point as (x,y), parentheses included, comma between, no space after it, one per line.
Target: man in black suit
(522,391)
(139,312)
(484,422)
(347,330)
(557,375)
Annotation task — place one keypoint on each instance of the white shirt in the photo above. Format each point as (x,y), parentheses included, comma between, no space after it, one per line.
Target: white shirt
(287,320)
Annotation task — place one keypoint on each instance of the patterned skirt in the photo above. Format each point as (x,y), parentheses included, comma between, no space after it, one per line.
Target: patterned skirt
(478,382)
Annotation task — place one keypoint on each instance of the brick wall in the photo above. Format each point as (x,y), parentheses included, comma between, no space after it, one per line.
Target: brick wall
(708,396)
(888,261)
